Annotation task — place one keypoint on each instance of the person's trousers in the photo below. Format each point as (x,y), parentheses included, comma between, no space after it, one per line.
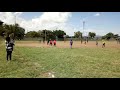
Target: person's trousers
(9,55)
(70,45)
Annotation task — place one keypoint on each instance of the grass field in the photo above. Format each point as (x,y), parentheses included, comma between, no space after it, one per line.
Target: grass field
(32,59)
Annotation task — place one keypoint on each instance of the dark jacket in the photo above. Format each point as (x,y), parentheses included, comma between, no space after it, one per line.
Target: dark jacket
(9,46)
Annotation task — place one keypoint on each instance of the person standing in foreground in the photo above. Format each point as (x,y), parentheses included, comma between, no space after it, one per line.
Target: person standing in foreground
(12,43)
(9,50)
(9,47)
(71,43)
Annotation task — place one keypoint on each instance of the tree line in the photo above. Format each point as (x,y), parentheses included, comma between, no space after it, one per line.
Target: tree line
(46,34)
(17,32)
(92,35)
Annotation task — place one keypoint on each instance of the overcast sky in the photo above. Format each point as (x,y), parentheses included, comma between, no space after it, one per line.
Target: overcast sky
(70,22)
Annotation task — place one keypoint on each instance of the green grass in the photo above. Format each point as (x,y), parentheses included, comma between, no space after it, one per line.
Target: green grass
(62,62)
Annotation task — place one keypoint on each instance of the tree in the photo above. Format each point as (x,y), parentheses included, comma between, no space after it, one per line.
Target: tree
(59,33)
(2,31)
(92,34)
(1,28)
(78,34)
(47,34)
(109,35)
(116,36)
(32,34)
(8,28)
(1,22)
(40,33)
(50,35)
(67,36)
(15,31)
(103,37)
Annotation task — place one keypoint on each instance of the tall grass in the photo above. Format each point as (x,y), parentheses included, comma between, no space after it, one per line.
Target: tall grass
(39,62)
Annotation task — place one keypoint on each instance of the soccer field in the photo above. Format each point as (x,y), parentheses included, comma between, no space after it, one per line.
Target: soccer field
(32,59)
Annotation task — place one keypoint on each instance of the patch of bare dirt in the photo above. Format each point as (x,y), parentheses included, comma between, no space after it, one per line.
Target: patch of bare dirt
(62,44)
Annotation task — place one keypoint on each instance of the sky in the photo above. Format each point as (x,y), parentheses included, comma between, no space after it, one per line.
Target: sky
(99,22)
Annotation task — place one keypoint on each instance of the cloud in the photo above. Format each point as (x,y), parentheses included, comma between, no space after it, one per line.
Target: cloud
(97,14)
(56,17)
(48,20)
(18,13)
